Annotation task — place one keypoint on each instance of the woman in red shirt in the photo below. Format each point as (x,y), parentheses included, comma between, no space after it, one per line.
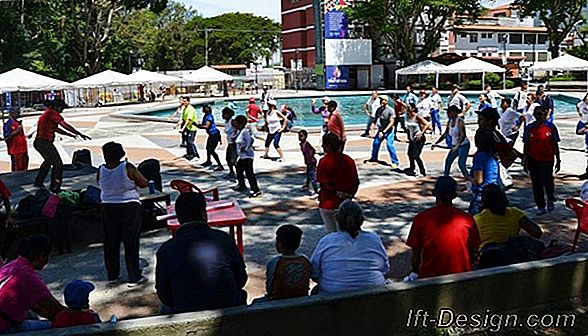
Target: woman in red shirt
(16,142)
(335,124)
(337,175)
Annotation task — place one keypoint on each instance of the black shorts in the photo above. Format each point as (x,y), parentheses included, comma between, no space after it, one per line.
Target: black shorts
(231,156)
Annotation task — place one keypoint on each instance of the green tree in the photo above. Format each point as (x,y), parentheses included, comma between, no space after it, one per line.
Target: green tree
(398,27)
(559,17)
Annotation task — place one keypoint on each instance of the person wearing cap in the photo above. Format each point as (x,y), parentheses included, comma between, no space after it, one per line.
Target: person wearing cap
(51,122)
(275,123)
(485,167)
(546,101)
(436,107)
(351,259)
(22,289)
(459,100)
(76,296)
(121,213)
(542,158)
(520,98)
(443,239)
(385,124)
(16,142)
(424,106)
(189,128)
(253,113)
(201,267)
(371,108)
(324,113)
(459,144)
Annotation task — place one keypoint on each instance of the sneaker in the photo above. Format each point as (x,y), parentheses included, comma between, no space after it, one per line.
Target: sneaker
(219,168)
(550,206)
(364,135)
(239,188)
(394,166)
(410,172)
(207,164)
(113,282)
(313,195)
(189,157)
(281,160)
(304,189)
(540,212)
(183,145)
(141,281)
(254,194)
(265,157)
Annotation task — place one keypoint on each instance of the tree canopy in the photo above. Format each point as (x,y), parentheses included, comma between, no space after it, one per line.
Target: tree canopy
(70,39)
(391,24)
(559,17)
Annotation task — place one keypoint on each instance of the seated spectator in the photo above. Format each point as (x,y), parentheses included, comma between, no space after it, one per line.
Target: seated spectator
(350,259)
(498,222)
(76,298)
(288,275)
(22,289)
(443,239)
(201,268)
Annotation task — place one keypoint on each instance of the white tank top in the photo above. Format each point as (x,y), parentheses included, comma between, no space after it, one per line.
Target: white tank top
(455,134)
(273,122)
(116,185)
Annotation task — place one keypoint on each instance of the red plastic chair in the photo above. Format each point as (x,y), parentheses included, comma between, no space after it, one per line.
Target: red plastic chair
(581,209)
(185,186)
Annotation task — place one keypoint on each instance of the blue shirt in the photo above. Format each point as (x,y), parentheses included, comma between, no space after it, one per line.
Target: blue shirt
(212,129)
(488,164)
(410,98)
(483,106)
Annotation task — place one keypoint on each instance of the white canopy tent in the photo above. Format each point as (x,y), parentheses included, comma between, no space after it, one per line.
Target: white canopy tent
(422,68)
(563,63)
(474,65)
(207,75)
(23,80)
(144,76)
(102,79)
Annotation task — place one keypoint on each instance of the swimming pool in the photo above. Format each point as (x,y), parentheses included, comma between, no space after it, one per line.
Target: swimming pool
(351,108)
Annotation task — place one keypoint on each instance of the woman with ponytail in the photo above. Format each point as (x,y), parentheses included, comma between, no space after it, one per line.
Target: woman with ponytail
(352,258)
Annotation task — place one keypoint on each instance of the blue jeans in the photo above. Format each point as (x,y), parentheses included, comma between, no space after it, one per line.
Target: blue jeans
(389,137)
(476,203)
(462,152)
(190,136)
(369,124)
(311,176)
(436,121)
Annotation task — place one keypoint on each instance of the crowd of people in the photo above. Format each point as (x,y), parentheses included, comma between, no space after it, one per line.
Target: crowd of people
(201,268)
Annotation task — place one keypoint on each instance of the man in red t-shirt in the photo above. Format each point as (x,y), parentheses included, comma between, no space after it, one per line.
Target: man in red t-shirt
(47,126)
(399,110)
(16,142)
(443,239)
(337,175)
(76,295)
(541,140)
(253,114)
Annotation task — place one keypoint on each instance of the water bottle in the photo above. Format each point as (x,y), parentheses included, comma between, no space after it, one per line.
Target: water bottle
(151,187)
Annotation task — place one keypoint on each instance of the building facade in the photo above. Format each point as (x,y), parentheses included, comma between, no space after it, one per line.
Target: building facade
(298,40)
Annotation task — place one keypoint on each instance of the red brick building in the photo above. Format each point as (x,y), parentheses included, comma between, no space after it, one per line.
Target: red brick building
(298,32)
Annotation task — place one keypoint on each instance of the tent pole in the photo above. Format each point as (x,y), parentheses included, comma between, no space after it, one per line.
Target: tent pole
(504,80)
(396,82)
(483,79)
(437,79)
(586,80)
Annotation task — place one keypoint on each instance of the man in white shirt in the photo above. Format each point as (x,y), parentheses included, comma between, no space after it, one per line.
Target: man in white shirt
(459,100)
(436,107)
(520,98)
(508,120)
(424,106)
(371,106)
(492,96)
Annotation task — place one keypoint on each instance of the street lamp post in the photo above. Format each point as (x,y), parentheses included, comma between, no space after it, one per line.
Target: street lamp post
(296,70)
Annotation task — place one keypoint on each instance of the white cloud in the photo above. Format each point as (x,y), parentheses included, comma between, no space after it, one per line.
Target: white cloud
(268,8)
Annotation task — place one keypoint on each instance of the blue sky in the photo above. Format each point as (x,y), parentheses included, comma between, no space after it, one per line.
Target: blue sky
(269,8)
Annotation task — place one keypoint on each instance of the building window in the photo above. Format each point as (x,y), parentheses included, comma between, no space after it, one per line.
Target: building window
(542,39)
(530,39)
(515,54)
(463,35)
(487,36)
(474,54)
(542,57)
(473,37)
(530,57)
(516,38)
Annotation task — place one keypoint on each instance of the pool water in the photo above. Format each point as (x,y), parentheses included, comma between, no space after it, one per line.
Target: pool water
(351,107)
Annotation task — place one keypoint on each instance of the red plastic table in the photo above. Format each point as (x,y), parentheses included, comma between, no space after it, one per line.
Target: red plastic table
(220,214)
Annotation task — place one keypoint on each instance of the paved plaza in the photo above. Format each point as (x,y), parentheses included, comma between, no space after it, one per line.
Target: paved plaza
(390,200)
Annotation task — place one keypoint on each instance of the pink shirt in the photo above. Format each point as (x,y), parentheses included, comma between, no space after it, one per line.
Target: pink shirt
(335,125)
(21,288)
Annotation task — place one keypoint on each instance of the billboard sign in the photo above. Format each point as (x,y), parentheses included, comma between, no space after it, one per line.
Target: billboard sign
(336,25)
(337,77)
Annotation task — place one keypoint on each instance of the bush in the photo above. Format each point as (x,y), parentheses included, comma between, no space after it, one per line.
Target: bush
(492,79)
(475,85)
(563,78)
(509,84)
